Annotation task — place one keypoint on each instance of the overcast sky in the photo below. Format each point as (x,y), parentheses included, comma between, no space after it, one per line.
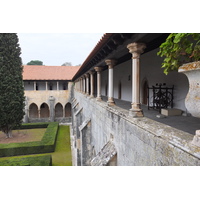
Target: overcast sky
(57,48)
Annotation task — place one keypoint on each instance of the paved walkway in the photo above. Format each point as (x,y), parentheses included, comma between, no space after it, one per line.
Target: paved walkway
(187,124)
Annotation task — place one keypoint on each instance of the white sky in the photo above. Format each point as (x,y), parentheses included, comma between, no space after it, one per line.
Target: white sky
(57,48)
(82,17)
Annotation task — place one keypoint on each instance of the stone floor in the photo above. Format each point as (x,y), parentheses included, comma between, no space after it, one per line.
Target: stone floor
(185,123)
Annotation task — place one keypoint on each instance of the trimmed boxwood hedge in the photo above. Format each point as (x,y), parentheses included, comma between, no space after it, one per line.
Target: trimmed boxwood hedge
(33,125)
(46,145)
(40,160)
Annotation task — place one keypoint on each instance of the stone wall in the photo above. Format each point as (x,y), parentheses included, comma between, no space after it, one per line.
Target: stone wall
(138,141)
(56,101)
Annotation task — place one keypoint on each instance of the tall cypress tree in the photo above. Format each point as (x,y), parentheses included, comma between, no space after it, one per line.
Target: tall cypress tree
(11,83)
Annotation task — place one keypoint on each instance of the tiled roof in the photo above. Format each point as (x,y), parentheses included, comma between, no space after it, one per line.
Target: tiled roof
(41,72)
(102,41)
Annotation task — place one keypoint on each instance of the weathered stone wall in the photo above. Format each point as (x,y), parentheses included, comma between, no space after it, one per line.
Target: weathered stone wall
(138,141)
(52,98)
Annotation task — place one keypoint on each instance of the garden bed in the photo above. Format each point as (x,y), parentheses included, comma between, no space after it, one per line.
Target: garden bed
(46,145)
(23,135)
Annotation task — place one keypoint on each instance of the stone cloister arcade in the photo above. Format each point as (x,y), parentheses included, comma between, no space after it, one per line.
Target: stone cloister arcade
(44,112)
(90,83)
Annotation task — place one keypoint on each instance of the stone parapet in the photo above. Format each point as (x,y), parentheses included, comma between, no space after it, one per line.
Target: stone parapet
(138,141)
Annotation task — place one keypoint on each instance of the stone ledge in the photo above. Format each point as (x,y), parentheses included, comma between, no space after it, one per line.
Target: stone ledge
(173,136)
(78,111)
(84,124)
(105,155)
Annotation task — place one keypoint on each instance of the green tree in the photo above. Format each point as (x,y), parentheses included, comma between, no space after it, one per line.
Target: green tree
(35,62)
(11,83)
(178,49)
(67,64)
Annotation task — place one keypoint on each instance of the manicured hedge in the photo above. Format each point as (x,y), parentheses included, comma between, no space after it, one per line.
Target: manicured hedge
(33,125)
(46,145)
(40,160)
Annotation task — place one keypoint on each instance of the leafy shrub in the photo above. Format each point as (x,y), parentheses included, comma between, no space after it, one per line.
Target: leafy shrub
(179,48)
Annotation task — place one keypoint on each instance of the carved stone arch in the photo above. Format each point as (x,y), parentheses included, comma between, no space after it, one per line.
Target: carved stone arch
(33,111)
(68,110)
(44,110)
(58,110)
(144,95)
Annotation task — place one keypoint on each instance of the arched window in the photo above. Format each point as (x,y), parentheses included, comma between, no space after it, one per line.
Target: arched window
(68,110)
(33,111)
(44,111)
(58,110)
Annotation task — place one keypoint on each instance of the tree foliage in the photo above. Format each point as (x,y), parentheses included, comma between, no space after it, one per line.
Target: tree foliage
(179,48)
(35,62)
(67,64)
(11,83)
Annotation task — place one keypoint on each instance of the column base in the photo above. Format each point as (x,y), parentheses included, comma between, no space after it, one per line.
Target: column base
(136,113)
(110,102)
(99,99)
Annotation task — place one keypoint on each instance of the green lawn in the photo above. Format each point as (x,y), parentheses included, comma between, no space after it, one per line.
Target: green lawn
(62,155)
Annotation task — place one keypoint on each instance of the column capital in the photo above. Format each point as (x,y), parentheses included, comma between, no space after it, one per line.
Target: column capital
(86,75)
(110,62)
(91,72)
(136,48)
(98,69)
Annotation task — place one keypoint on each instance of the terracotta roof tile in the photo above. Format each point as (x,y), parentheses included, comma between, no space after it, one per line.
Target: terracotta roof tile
(41,72)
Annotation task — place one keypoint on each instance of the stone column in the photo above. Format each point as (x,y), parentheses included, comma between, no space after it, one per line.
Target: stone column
(98,70)
(110,64)
(34,85)
(91,83)
(51,108)
(84,84)
(80,85)
(46,85)
(82,88)
(136,49)
(38,113)
(57,85)
(87,84)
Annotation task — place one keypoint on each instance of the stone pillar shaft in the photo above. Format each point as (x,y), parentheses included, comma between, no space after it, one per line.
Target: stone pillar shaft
(34,85)
(110,64)
(57,85)
(46,85)
(84,85)
(39,114)
(135,83)
(91,84)
(81,85)
(87,84)
(136,49)
(98,70)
